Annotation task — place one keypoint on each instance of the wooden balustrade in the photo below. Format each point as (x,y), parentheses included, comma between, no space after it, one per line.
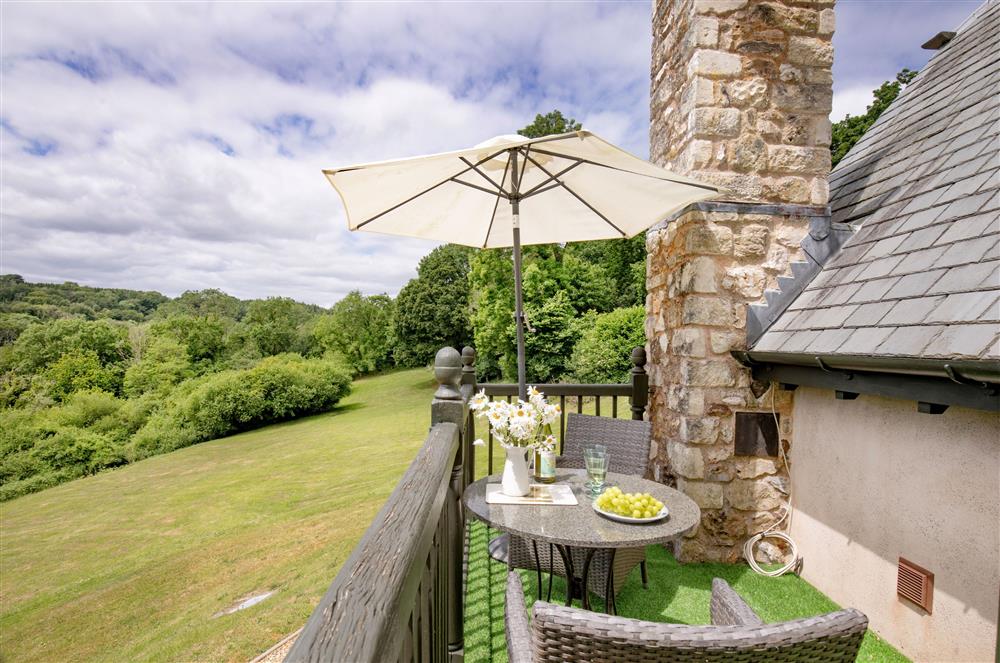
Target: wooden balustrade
(399,597)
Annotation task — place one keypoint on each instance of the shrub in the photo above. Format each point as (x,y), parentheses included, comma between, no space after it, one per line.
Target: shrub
(79,370)
(277,388)
(603,352)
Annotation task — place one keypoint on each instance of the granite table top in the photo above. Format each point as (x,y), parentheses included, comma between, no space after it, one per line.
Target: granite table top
(581,526)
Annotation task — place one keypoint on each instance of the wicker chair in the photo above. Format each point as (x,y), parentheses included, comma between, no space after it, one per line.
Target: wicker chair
(628,444)
(559,633)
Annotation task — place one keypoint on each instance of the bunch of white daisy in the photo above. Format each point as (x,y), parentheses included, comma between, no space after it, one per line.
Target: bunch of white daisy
(521,423)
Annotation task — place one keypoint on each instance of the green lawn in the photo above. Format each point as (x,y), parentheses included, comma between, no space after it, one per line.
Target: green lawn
(677,594)
(131,564)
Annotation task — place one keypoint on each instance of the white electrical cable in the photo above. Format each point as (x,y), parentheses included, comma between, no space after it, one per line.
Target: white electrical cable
(771,532)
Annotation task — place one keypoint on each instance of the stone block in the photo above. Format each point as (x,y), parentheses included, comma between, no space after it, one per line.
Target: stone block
(818,75)
(699,430)
(700,152)
(700,91)
(827,22)
(821,133)
(790,74)
(804,98)
(686,461)
(799,160)
(724,341)
(718,7)
(788,189)
(810,51)
(748,154)
(743,93)
(709,238)
(714,64)
(780,15)
(709,311)
(751,242)
(689,341)
(819,191)
(711,373)
(704,31)
(715,122)
(755,494)
(751,468)
(698,275)
(768,129)
(705,495)
(747,282)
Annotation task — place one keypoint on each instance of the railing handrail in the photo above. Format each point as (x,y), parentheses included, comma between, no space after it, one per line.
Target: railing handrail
(363,615)
(560,389)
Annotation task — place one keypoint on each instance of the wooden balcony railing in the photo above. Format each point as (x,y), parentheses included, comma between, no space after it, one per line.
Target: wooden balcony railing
(399,595)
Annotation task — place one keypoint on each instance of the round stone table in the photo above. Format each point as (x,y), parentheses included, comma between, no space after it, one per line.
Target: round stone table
(580,526)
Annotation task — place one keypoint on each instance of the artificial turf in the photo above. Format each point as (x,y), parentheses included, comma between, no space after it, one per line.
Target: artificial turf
(678,593)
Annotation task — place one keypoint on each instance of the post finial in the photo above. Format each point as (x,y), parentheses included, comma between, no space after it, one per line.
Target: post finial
(448,372)
(638,358)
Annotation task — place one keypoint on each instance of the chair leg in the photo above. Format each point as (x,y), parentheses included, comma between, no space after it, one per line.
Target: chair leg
(645,577)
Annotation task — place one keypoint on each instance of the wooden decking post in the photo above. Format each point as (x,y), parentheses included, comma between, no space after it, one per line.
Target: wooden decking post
(450,406)
(640,383)
(468,391)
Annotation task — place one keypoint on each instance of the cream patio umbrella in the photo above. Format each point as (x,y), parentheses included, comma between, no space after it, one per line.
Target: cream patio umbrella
(510,191)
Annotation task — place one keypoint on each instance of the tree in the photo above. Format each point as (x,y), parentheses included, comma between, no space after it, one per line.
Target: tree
(549,124)
(604,351)
(360,329)
(273,324)
(432,310)
(847,132)
(203,302)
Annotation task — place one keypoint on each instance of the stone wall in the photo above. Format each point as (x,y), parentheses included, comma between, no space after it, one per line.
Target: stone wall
(704,268)
(741,94)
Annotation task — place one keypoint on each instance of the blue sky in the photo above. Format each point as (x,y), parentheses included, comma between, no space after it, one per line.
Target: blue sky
(179,146)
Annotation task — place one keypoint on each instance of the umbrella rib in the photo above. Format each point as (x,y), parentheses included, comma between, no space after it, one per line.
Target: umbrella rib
(577,196)
(484,175)
(496,204)
(625,170)
(428,190)
(474,186)
(535,189)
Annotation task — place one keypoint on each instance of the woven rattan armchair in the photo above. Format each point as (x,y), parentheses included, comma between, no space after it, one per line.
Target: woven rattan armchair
(737,634)
(628,444)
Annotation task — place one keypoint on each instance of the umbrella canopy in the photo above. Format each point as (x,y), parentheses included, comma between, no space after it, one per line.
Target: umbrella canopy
(572,187)
(512,190)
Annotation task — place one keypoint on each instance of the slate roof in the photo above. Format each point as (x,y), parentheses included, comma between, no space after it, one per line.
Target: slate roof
(920,277)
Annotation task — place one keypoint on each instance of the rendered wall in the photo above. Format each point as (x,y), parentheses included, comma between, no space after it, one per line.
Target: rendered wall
(874,480)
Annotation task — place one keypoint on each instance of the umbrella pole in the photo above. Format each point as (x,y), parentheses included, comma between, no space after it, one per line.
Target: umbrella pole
(522,388)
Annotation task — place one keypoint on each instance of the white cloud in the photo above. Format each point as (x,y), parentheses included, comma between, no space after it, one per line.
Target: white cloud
(183,143)
(187,141)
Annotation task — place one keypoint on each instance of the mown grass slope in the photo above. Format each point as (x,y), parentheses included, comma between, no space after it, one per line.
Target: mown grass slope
(133,564)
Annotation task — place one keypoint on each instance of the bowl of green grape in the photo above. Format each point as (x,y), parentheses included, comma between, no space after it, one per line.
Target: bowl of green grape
(629,507)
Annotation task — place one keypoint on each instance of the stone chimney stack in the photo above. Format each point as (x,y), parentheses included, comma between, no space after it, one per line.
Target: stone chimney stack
(741,96)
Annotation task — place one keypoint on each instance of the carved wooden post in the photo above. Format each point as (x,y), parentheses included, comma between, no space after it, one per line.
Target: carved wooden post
(640,383)
(450,407)
(468,391)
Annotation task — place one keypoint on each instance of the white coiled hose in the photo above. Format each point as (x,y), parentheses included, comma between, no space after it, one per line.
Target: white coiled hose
(772,531)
